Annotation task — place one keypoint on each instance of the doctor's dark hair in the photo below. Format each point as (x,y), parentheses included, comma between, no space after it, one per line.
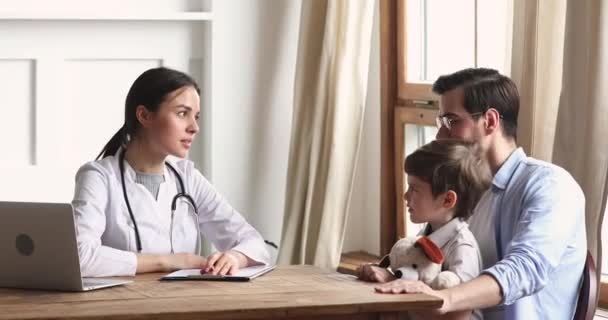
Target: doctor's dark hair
(150,89)
(450,164)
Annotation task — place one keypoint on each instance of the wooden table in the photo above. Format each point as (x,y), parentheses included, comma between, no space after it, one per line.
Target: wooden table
(294,292)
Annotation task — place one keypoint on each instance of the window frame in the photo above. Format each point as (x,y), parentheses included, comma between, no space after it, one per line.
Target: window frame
(415,115)
(407,91)
(402,102)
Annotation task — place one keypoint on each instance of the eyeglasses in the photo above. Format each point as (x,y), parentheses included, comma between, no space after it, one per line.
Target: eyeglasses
(447,120)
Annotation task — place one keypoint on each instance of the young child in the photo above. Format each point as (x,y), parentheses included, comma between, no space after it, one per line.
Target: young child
(446,179)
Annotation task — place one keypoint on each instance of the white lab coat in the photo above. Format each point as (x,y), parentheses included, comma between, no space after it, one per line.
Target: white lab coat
(105,232)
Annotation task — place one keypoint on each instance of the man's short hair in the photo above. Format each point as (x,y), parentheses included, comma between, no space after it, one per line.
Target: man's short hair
(449,164)
(483,89)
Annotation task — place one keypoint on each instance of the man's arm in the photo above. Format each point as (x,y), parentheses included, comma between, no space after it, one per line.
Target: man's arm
(481,292)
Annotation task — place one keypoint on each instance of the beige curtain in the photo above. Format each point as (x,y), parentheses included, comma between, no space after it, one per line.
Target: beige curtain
(582,123)
(330,91)
(560,63)
(536,68)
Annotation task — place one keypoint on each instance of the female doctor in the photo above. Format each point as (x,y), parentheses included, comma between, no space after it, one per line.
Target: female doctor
(139,210)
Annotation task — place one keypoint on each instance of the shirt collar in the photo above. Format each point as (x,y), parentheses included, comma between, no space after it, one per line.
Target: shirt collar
(447,232)
(504,174)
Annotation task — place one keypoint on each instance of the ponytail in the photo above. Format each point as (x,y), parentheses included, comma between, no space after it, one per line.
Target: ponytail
(117,140)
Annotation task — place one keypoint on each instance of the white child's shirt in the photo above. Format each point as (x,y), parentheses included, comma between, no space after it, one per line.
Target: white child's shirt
(460,250)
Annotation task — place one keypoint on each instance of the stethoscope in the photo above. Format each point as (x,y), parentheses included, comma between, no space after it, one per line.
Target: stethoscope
(182,194)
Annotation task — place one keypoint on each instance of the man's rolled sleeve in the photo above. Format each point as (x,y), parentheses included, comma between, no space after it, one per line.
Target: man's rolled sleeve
(519,276)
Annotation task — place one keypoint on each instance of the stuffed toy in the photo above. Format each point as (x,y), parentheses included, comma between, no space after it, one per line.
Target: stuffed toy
(419,258)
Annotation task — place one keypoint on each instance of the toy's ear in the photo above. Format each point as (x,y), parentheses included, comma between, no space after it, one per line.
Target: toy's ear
(431,250)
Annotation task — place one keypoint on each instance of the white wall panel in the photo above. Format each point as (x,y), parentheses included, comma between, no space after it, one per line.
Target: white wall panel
(94,94)
(17,135)
(105,5)
(66,83)
(254,63)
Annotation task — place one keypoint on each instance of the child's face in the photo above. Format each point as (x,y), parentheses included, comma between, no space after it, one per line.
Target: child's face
(423,207)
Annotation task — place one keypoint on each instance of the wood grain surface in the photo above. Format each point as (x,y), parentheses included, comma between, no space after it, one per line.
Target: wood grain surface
(290,292)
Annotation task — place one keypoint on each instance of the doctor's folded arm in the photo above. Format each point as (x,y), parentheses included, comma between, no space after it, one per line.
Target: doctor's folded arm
(140,207)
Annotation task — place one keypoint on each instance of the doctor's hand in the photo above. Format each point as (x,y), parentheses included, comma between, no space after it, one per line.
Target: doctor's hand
(374,273)
(223,263)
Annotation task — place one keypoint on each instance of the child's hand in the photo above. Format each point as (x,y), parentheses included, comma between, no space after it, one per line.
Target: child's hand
(373,273)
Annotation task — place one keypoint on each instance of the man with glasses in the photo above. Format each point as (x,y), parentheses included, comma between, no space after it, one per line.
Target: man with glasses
(530,224)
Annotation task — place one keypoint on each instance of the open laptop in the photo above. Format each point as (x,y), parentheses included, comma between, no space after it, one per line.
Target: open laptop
(39,251)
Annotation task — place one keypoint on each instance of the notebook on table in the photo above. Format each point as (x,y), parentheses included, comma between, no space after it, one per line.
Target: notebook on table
(244,274)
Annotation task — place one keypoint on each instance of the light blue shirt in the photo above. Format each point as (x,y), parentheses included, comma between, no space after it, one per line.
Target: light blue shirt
(531,229)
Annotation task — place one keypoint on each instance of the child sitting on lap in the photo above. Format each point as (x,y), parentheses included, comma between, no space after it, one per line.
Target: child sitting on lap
(446,179)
